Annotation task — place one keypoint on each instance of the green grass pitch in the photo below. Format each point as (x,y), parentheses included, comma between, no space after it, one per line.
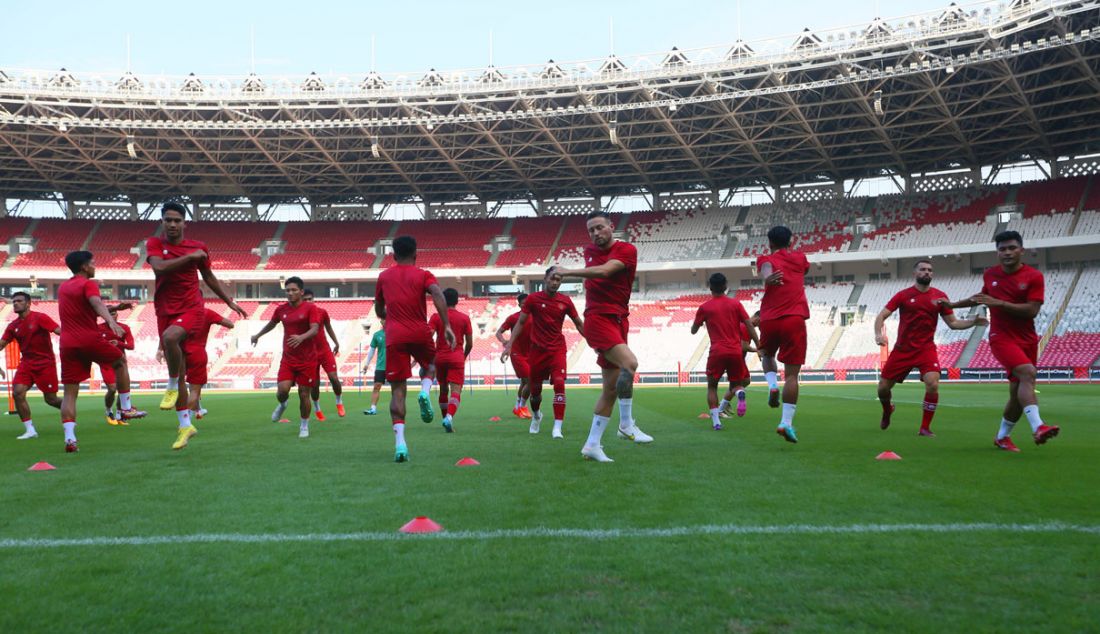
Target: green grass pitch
(323,513)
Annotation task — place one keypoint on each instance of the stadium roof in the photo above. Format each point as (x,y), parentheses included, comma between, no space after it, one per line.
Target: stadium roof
(978,85)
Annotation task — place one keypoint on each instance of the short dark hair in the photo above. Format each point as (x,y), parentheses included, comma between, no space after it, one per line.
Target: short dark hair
(307,291)
(548,271)
(780,236)
(919,262)
(717,282)
(404,247)
(22,294)
(174,206)
(598,213)
(520,298)
(451,295)
(1007,236)
(294,279)
(77,259)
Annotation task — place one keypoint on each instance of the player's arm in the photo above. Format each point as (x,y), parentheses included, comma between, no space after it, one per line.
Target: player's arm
(128,340)
(296,340)
(370,355)
(225,323)
(1026,310)
(266,329)
(161,265)
(468,344)
(518,328)
(603,271)
(752,333)
(770,276)
(441,310)
(880,325)
(101,309)
(500,333)
(699,319)
(954,323)
(332,335)
(219,290)
(577,321)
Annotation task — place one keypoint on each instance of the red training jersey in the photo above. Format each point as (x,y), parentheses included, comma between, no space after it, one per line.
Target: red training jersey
(919,313)
(296,320)
(79,322)
(790,298)
(461,325)
(722,316)
(545,315)
(32,333)
(209,318)
(745,336)
(322,336)
(403,288)
(521,346)
(177,291)
(127,341)
(1023,286)
(610,296)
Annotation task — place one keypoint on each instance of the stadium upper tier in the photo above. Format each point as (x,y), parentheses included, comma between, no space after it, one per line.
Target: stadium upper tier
(872,226)
(966,86)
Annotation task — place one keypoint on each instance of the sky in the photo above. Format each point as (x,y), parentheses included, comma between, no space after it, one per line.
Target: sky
(213,38)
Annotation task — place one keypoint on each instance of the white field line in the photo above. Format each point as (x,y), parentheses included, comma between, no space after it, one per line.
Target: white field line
(551,533)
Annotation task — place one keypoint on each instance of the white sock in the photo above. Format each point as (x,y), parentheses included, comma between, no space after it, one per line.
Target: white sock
(1032,413)
(519,403)
(399,433)
(28,425)
(303,424)
(425,385)
(723,404)
(316,406)
(339,399)
(1006,429)
(625,407)
(788,415)
(70,431)
(124,401)
(173,383)
(278,413)
(184,417)
(557,426)
(595,435)
(772,379)
(110,413)
(714,415)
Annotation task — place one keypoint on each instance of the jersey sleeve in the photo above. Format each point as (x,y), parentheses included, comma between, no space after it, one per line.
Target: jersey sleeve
(91,289)
(625,253)
(985,283)
(742,314)
(315,315)
(374,341)
(761,260)
(526,308)
(894,302)
(9,332)
(1037,288)
(434,322)
(805,263)
(510,322)
(128,340)
(699,318)
(152,248)
(429,279)
(571,310)
(47,323)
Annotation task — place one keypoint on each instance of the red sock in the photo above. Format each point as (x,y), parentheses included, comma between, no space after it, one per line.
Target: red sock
(559,405)
(930,401)
(452,406)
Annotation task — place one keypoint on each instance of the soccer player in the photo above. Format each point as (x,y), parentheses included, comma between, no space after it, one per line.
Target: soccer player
(110,378)
(1013,291)
(520,363)
(37,365)
(450,362)
(783,314)
(301,322)
(79,304)
(543,315)
(400,299)
(608,281)
(377,344)
(177,299)
(326,360)
(920,306)
(725,319)
(194,349)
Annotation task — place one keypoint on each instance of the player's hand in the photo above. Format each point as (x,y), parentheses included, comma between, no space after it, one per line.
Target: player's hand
(775,279)
(255,338)
(160,355)
(981,321)
(294,341)
(197,255)
(336,349)
(449,335)
(236,308)
(942,301)
(986,300)
(880,340)
(119,332)
(507,352)
(2,374)
(124,306)
(755,319)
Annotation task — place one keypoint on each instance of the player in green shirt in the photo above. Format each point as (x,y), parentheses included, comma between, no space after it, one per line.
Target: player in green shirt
(377,344)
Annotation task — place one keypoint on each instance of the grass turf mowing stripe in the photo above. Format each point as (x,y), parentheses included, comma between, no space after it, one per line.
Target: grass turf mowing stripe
(527,533)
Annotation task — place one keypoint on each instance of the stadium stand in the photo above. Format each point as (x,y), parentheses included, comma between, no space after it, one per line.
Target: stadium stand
(113,240)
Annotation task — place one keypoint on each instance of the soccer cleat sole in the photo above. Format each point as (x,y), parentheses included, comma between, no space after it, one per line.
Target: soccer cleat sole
(787,433)
(1051,432)
(773,399)
(448,427)
(426,413)
(401,455)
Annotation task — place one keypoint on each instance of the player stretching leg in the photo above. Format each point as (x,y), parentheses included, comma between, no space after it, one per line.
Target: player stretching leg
(543,315)
(37,364)
(194,349)
(326,360)
(400,299)
(737,387)
(783,315)
(608,281)
(301,322)
(177,264)
(78,304)
(920,306)
(377,344)
(110,378)
(450,364)
(520,363)
(1013,291)
(725,319)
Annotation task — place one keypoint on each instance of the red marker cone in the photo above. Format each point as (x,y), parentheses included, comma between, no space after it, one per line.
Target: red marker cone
(284,420)
(494,419)
(704,415)
(41,466)
(887,455)
(420,524)
(467,462)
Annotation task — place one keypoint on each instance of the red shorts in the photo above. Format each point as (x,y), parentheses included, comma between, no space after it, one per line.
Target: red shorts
(604,332)
(730,364)
(399,359)
(76,361)
(42,375)
(302,375)
(450,371)
(327,361)
(787,335)
(899,363)
(548,364)
(197,360)
(190,321)
(108,374)
(521,366)
(1012,354)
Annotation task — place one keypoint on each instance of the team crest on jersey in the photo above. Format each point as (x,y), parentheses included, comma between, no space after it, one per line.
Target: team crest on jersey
(994,282)
(166,252)
(912,300)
